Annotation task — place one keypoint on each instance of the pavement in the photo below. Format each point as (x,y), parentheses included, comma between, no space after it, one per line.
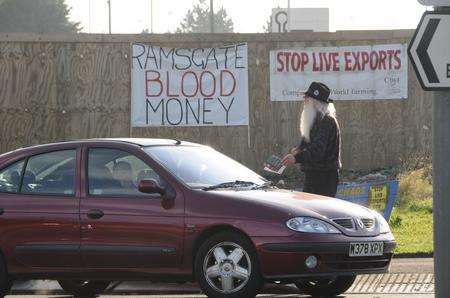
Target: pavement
(407,277)
(412,265)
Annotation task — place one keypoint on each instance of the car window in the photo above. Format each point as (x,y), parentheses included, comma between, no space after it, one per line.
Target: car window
(10,177)
(50,173)
(115,172)
(200,166)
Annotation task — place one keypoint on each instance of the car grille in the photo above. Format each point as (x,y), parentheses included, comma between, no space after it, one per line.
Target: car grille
(344,262)
(368,223)
(347,223)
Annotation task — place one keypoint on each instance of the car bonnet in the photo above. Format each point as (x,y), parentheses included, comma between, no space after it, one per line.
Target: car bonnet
(305,204)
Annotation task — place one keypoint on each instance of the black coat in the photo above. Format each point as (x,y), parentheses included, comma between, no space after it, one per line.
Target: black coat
(322,153)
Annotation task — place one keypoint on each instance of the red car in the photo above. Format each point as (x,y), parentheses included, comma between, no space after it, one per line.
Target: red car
(91,211)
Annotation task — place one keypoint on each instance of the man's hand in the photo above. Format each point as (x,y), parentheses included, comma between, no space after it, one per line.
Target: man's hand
(288,159)
(294,150)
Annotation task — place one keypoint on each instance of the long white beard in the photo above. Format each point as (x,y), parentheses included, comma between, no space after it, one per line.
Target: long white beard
(307,120)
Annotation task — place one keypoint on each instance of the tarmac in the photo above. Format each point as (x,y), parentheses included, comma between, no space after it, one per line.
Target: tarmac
(407,277)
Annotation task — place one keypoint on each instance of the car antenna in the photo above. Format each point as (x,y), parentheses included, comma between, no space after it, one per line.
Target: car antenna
(177,142)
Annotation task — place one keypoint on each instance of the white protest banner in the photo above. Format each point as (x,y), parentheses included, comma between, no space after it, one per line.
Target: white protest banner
(351,72)
(189,87)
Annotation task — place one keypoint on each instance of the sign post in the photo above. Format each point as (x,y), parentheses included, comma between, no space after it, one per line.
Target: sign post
(429,51)
(441,191)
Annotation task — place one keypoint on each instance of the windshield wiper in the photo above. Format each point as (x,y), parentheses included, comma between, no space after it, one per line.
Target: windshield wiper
(264,185)
(230,184)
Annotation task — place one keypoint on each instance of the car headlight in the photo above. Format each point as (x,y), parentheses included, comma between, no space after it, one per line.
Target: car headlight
(382,223)
(311,225)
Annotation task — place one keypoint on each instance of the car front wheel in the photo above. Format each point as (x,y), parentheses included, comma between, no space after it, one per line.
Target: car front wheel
(226,266)
(83,287)
(325,286)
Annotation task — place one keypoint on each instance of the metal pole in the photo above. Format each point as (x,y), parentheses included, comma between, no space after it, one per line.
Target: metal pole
(89,16)
(441,192)
(441,188)
(289,16)
(151,16)
(109,13)
(211,15)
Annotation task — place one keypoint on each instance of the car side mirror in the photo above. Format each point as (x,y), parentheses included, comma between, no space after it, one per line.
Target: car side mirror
(150,186)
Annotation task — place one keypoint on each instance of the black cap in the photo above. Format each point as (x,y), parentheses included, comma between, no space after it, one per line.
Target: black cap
(319,91)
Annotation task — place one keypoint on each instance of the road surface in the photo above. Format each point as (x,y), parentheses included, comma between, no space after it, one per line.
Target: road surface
(407,277)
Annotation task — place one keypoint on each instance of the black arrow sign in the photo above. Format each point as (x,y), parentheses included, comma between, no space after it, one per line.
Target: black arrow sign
(422,50)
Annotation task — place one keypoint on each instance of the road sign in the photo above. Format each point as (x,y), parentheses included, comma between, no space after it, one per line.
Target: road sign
(429,51)
(435,2)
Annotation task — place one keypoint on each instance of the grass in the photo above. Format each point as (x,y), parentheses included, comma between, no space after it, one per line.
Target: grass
(412,219)
(413,230)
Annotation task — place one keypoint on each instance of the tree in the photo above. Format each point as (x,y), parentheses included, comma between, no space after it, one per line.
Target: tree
(197,20)
(267,28)
(38,16)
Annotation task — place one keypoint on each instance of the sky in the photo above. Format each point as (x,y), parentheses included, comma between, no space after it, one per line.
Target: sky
(133,16)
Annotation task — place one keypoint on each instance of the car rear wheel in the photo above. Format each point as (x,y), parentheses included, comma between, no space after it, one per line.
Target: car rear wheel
(83,287)
(325,286)
(226,266)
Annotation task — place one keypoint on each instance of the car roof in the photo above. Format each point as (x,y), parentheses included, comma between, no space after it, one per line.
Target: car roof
(143,142)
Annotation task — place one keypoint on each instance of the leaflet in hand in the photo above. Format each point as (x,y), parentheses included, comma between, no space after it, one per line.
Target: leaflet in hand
(274,165)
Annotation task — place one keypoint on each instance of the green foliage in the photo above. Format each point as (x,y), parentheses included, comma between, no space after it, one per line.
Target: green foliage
(415,187)
(413,229)
(197,20)
(415,161)
(36,16)
(267,28)
(412,218)
(421,206)
(395,221)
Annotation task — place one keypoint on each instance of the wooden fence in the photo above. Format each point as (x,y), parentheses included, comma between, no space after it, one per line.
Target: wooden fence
(78,86)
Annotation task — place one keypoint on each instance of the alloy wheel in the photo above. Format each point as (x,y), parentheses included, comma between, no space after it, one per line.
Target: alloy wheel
(227,267)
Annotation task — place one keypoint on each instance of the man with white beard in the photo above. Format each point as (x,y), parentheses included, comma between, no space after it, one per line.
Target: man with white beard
(319,151)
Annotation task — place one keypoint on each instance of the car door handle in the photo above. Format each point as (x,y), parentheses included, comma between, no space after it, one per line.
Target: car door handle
(95,214)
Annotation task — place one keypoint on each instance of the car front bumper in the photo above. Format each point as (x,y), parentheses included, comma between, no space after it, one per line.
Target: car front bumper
(284,259)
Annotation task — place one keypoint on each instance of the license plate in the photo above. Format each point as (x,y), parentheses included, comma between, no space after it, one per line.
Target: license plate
(366,249)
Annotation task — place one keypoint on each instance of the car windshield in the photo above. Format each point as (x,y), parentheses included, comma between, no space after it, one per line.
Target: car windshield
(202,167)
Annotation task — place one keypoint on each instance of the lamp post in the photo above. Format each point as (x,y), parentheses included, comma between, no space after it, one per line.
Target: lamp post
(109,14)
(289,16)
(151,16)
(211,15)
